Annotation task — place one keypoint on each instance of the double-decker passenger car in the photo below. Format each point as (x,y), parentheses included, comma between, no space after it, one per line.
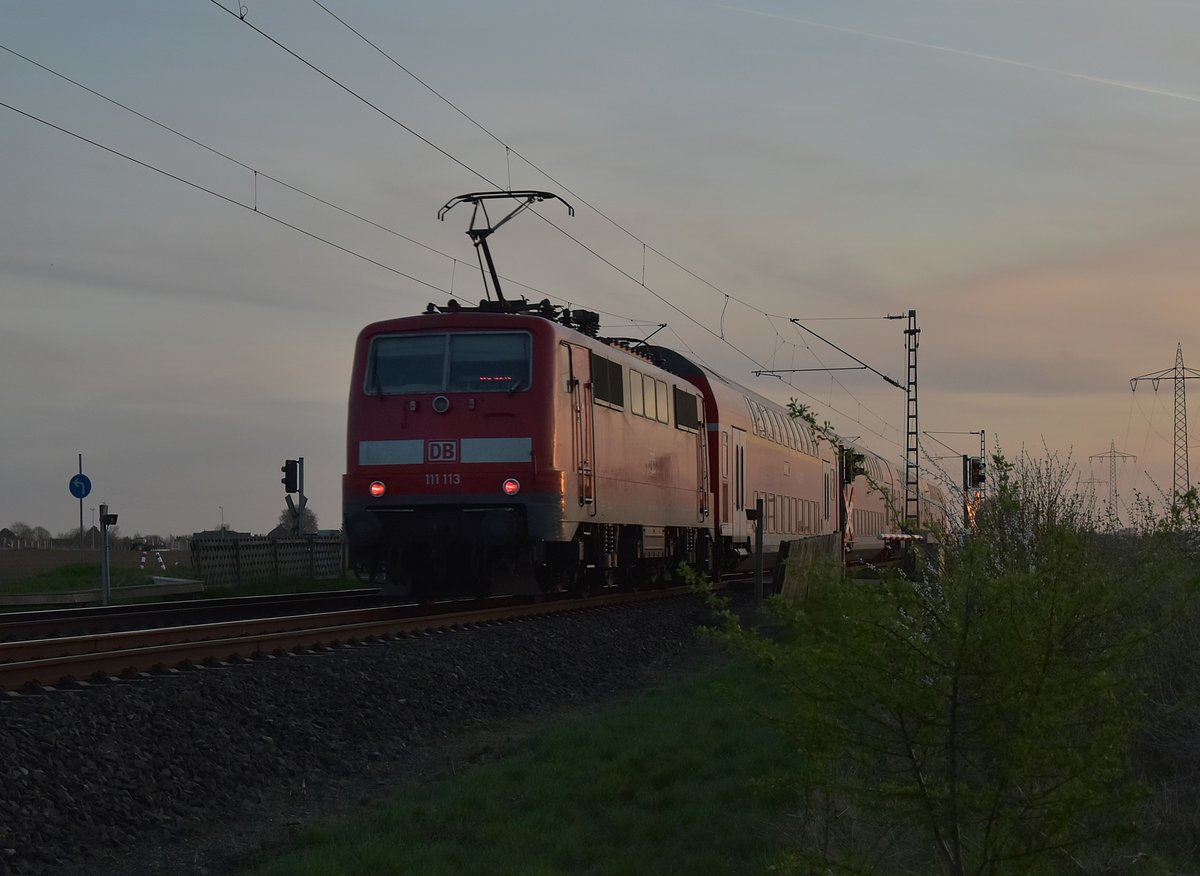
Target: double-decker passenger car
(757,450)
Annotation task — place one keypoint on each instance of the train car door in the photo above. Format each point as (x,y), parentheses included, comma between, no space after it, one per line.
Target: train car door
(739,526)
(583,424)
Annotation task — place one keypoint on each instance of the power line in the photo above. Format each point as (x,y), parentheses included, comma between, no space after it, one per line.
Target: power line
(278,181)
(251,207)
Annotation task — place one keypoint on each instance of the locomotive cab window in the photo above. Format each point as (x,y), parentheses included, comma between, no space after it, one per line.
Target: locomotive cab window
(449,362)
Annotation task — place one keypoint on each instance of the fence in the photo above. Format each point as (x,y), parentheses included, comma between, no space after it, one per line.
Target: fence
(219,559)
(799,555)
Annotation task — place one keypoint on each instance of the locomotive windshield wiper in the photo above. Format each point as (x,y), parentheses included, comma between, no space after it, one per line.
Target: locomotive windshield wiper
(479,233)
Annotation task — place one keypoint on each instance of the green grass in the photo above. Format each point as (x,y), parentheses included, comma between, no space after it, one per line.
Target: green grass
(678,781)
(86,576)
(82,576)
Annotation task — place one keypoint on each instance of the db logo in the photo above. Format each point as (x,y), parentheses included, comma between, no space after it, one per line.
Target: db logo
(441,451)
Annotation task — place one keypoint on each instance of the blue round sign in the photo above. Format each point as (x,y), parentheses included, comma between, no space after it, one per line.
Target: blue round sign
(80,486)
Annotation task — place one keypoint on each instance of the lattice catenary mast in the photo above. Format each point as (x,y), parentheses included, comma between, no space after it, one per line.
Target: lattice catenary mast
(912,453)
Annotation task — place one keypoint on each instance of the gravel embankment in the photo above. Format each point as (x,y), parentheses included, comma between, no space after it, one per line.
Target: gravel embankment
(192,773)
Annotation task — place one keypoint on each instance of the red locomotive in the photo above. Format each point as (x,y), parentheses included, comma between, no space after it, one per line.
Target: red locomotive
(499,440)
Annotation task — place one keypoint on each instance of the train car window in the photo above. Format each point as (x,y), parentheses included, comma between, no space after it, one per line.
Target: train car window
(771,524)
(687,410)
(725,455)
(664,405)
(637,403)
(488,362)
(649,399)
(756,416)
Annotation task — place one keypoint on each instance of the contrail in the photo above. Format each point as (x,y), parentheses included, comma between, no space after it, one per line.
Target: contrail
(1099,80)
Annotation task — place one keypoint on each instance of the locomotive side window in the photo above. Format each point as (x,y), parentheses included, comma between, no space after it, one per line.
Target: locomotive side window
(649,399)
(474,362)
(664,406)
(687,410)
(636,403)
(608,381)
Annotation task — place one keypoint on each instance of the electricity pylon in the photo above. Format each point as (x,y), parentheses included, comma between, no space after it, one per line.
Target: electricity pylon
(1180,375)
(1112,455)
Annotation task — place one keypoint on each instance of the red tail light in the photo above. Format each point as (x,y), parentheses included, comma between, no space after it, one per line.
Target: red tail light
(377,489)
(511,487)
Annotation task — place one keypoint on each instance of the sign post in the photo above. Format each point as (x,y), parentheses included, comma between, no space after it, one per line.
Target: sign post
(80,486)
(106,520)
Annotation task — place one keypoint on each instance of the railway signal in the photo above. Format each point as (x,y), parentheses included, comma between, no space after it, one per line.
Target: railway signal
(291,476)
(977,472)
(853,465)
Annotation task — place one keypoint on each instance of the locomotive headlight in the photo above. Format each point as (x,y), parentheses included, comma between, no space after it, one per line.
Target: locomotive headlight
(511,487)
(377,489)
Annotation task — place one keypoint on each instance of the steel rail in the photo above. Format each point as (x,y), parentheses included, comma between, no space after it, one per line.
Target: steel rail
(24,624)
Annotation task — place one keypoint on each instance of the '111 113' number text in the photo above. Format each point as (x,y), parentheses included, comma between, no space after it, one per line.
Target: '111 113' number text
(447,478)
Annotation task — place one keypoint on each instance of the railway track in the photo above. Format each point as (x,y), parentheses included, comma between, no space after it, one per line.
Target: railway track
(15,626)
(46,662)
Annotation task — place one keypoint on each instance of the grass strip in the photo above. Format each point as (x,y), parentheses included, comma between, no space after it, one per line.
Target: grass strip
(680,780)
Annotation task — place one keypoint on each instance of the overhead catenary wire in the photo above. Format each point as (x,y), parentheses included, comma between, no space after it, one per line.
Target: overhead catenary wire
(234,201)
(258,172)
(253,206)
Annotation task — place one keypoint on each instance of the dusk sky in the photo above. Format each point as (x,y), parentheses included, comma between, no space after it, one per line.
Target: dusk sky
(1022,174)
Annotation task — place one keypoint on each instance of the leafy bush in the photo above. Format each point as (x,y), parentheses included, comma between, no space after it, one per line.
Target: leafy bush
(1004,710)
